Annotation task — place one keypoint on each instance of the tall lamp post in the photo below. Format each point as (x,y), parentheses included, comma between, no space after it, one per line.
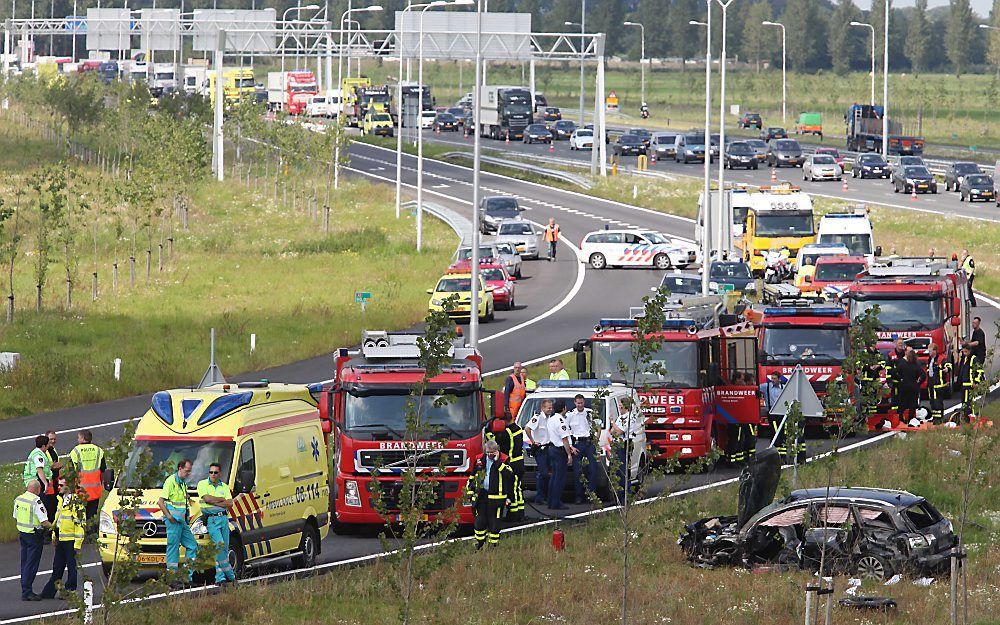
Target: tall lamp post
(284,16)
(872,28)
(885,86)
(784,80)
(583,29)
(642,56)
(706,202)
(340,64)
(725,220)
(399,98)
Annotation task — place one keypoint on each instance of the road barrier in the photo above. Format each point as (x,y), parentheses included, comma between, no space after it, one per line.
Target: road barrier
(565,176)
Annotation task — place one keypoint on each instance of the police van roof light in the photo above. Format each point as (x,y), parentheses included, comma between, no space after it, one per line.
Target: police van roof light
(573,383)
(821,311)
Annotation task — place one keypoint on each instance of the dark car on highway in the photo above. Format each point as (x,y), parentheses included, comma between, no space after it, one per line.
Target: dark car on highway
(459,113)
(976,187)
(642,133)
(690,147)
(869,533)
(735,274)
(739,154)
(537,132)
(773,132)
(957,172)
(759,147)
(552,114)
(497,208)
(445,121)
(749,120)
(910,178)
(661,145)
(629,144)
(784,153)
(870,166)
(540,102)
(563,128)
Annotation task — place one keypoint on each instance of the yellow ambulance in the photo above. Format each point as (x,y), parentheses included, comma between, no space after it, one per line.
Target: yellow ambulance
(270,442)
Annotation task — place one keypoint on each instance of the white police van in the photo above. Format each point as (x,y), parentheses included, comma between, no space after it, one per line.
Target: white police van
(636,248)
(615,402)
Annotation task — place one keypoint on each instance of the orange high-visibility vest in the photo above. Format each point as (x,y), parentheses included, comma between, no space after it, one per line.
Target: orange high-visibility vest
(516,397)
(552,233)
(87,460)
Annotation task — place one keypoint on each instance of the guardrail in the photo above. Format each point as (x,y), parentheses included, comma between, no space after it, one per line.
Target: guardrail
(458,223)
(580,181)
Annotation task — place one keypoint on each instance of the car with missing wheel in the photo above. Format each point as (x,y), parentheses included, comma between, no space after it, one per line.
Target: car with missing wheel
(635,248)
(871,533)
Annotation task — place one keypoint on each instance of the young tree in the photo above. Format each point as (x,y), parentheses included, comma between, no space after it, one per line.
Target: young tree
(51,200)
(805,34)
(993,46)
(685,40)
(960,34)
(844,41)
(10,238)
(918,38)
(759,42)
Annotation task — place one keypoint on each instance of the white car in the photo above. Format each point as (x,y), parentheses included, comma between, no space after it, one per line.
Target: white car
(821,167)
(582,139)
(634,248)
(522,234)
(325,105)
(427,119)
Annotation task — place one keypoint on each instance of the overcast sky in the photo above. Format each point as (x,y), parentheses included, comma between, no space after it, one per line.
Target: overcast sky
(982,7)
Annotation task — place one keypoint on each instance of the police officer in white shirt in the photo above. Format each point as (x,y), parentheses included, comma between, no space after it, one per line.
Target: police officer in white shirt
(561,453)
(580,428)
(537,432)
(627,429)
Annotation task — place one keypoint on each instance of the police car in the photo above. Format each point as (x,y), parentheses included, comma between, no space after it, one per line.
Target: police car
(636,248)
(614,405)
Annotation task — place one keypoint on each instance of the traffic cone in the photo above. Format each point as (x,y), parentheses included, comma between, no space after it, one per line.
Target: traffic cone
(507,140)
(774,175)
(913,193)
(552,146)
(845,184)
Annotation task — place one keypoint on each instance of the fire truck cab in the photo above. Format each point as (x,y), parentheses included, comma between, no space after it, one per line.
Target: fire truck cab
(367,406)
(800,333)
(920,301)
(708,385)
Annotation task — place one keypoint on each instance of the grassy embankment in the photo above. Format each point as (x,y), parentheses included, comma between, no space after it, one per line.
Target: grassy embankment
(951,110)
(247,264)
(526,581)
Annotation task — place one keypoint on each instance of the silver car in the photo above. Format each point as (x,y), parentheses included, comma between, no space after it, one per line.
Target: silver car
(501,252)
(522,234)
(821,167)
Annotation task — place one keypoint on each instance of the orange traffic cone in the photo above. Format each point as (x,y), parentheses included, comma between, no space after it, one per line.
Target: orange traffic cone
(774,175)
(507,139)
(552,146)
(845,184)
(913,193)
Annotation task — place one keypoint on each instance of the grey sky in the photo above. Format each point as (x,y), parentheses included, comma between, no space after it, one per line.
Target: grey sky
(981,7)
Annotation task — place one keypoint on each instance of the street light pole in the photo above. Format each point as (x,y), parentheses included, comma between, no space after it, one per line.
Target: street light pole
(642,56)
(784,80)
(284,16)
(476,164)
(725,220)
(399,93)
(872,28)
(706,202)
(583,44)
(340,115)
(885,87)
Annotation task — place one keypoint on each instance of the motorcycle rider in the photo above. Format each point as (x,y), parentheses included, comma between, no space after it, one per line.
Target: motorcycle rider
(644,110)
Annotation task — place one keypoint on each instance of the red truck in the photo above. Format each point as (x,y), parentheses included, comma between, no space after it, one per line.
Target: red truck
(290,91)
(920,301)
(800,333)
(709,383)
(366,406)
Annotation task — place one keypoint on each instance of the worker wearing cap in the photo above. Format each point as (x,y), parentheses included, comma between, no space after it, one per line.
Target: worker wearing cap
(491,489)
(176,515)
(31,521)
(216,501)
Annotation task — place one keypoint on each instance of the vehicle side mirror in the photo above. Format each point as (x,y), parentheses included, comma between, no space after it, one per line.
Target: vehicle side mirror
(956,321)
(108,479)
(430,291)
(512,278)
(499,409)
(878,250)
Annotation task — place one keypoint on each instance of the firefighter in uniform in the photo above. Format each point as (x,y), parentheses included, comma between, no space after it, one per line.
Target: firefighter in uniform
(176,515)
(69,521)
(509,438)
(871,385)
(88,461)
(31,520)
(938,371)
(491,489)
(216,500)
(892,375)
(970,373)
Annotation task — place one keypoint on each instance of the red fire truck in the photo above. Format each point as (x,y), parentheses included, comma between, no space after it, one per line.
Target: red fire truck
(708,383)
(800,333)
(367,405)
(919,301)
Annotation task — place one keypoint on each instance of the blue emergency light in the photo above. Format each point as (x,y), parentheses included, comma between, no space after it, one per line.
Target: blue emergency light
(573,383)
(668,324)
(822,311)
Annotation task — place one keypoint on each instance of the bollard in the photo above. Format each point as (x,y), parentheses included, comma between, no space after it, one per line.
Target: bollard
(88,602)
(253,343)
(635,191)
(118,368)
(558,539)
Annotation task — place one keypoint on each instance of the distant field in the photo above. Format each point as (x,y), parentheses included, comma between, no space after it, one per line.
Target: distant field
(945,109)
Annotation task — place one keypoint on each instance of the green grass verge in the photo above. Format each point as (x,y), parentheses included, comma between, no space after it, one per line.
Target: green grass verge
(582,583)
(247,265)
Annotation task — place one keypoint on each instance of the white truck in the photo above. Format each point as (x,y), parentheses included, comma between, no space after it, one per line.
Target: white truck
(195,79)
(504,111)
(851,229)
(325,104)
(162,79)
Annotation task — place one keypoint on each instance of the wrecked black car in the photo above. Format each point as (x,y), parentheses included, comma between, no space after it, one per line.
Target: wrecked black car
(871,533)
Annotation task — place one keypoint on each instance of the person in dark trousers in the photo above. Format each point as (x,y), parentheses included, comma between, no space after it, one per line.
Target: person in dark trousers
(510,438)
(50,496)
(871,384)
(70,521)
(581,429)
(910,377)
(491,490)
(89,461)
(537,431)
(938,372)
(978,340)
(551,235)
(969,374)
(561,454)
(891,370)
(31,521)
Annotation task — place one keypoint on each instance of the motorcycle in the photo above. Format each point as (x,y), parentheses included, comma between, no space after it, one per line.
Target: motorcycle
(644,111)
(777,267)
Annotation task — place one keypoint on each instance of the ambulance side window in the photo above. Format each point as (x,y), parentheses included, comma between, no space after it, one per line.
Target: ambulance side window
(246,470)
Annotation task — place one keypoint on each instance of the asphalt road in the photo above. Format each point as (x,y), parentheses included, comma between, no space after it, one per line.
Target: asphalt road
(571,301)
(872,191)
